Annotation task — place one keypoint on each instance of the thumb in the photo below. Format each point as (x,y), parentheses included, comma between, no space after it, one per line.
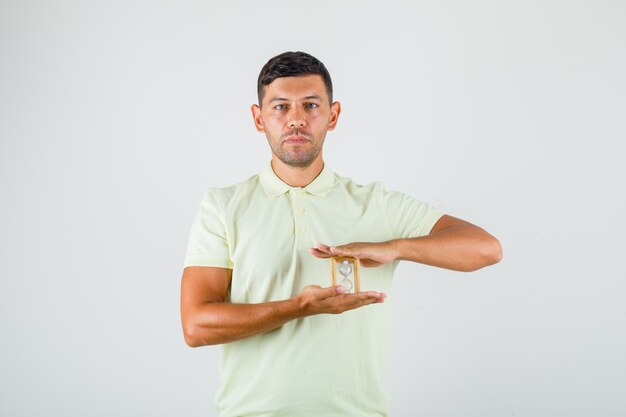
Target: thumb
(322,293)
(333,291)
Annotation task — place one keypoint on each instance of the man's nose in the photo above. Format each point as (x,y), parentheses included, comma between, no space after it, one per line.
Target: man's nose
(296,118)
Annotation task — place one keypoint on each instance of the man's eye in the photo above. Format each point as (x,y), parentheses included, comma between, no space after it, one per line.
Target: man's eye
(280,107)
(311,105)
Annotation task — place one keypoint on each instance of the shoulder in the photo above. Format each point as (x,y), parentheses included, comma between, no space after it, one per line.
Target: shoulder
(222,197)
(375,192)
(357,190)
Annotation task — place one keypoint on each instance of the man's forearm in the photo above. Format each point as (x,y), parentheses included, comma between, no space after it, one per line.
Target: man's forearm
(211,323)
(221,322)
(461,248)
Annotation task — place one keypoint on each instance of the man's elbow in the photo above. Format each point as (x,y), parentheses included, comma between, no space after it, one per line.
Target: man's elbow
(192,341)
(487,253)
(490,253)
(196,336)
(190,335)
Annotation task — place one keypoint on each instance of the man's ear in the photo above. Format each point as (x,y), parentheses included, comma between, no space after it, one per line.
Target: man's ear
(256,115)
(335,109)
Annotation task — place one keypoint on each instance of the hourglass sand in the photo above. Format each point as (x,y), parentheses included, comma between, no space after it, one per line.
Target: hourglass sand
(346,270)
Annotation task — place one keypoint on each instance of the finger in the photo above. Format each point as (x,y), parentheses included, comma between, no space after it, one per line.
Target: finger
(345,250)
(370,294)
(323,248)
(362,298)
(337,250)
(382,298)
(323,293)
(346,302)
(318,253)
(361,302)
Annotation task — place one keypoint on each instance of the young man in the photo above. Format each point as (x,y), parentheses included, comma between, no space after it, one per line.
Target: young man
(257,276)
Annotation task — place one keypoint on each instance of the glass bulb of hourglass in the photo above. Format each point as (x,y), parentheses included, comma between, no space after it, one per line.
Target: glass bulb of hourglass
(345,270)
(347,284)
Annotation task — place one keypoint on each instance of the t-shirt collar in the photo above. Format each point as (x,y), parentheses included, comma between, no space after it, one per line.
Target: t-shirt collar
(274,186)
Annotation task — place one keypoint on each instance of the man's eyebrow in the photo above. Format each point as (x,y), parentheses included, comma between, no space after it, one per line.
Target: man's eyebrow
(313,97)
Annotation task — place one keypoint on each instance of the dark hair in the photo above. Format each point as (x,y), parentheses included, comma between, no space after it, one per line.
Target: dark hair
(292,64)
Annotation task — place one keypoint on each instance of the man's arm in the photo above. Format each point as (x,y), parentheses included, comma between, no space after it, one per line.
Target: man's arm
(208,319)
(452,244)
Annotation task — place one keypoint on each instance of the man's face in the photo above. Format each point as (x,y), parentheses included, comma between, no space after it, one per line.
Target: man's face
(295,115)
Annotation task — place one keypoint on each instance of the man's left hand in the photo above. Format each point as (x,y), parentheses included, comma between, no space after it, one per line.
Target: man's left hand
(369,254)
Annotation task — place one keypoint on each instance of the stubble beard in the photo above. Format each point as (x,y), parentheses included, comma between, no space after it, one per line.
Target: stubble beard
(300,159)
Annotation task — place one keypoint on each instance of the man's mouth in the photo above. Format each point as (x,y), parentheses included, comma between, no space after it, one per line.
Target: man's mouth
(296,139)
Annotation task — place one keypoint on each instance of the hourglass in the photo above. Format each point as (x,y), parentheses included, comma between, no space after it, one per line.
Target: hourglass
(345,272)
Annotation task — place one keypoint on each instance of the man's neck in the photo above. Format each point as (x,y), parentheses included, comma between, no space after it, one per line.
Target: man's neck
(297,176)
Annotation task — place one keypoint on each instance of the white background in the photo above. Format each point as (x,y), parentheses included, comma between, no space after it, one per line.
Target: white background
(115,117)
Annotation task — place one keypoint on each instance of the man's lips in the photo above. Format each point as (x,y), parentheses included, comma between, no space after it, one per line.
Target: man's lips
(296,140)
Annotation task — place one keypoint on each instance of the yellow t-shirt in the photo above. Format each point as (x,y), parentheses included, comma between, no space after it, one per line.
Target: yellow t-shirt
(324,365)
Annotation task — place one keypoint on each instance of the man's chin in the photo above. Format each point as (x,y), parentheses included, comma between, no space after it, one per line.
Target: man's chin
(297,162)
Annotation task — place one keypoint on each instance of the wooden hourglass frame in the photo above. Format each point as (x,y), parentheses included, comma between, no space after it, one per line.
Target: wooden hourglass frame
(337,277)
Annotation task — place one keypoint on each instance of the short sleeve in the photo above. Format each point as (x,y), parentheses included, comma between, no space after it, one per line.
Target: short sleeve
(409,217)
(208,242)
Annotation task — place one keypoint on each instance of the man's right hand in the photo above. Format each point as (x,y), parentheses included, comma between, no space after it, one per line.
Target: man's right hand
(333,300)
